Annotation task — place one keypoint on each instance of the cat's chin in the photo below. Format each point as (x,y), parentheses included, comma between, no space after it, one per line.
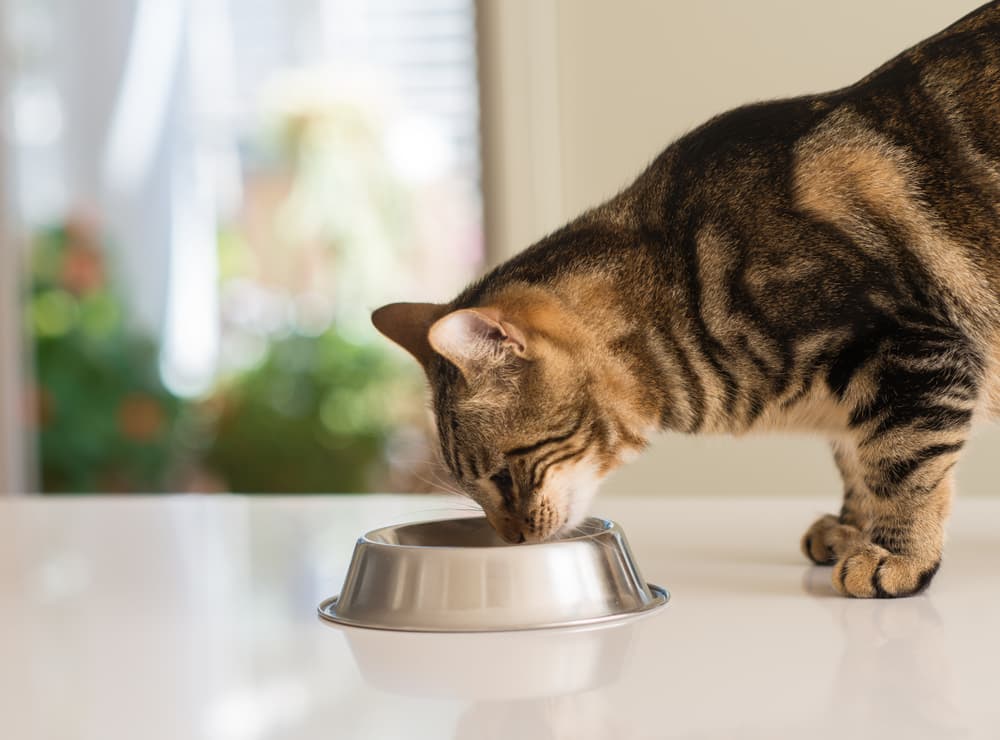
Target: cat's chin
(580,488)
(570,526)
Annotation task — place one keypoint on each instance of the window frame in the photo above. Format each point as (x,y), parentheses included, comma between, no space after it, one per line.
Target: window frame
(14,442)
(520,132)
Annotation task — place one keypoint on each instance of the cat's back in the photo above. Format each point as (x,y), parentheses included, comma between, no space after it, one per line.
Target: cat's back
(970,41)
(915,148)
(950,82)
(904,163)
(904,166)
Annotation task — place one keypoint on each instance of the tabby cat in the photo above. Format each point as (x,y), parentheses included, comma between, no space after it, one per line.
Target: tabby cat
(828,263)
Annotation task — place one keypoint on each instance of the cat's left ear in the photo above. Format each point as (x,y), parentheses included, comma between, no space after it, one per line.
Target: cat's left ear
(476,339)
(407,324)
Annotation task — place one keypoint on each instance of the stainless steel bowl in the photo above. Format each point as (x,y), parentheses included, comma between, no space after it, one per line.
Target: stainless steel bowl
(458,575)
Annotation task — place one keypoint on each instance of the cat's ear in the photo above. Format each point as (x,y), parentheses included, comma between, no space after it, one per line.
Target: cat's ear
(474,339)
(407,324)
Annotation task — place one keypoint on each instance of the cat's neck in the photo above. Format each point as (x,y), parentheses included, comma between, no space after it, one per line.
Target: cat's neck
(600,288)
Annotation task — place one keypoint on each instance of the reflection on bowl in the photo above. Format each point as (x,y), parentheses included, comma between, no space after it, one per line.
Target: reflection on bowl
(457,575)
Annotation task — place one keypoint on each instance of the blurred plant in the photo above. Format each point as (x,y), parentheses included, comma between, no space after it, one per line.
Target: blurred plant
(318,414)
(324,223)
(105,421)
(342,209)
(336,219)
(312,398)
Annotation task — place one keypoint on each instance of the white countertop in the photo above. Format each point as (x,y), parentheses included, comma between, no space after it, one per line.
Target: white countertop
(188,618)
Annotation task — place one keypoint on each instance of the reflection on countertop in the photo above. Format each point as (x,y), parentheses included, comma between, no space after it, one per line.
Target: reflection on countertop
(499,666)
(547,683)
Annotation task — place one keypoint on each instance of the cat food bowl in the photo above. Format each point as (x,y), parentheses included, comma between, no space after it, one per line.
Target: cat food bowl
(458,575)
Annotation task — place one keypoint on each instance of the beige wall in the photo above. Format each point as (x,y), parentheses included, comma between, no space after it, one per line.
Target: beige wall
(630,76)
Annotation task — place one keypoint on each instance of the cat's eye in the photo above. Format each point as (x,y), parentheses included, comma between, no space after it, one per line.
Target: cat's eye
(505,484)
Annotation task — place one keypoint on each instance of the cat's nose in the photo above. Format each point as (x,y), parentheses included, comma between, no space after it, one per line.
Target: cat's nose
(512,534)
(507,527)
(531,532)
(519,531)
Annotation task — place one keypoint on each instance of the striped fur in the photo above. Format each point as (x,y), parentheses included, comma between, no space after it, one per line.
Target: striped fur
(828,264)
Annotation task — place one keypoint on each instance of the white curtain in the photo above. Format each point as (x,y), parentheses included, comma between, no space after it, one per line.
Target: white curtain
(147,147)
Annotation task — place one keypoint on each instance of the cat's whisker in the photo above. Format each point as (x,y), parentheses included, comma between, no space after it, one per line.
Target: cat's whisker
(444,510)
(439,486)
(440,478)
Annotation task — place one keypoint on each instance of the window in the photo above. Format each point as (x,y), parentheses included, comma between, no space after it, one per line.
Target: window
(216,195)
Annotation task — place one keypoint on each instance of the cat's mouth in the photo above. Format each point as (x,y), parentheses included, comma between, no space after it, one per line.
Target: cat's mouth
(517,530)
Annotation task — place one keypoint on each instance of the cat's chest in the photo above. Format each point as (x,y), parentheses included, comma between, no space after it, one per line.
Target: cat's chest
(817,411)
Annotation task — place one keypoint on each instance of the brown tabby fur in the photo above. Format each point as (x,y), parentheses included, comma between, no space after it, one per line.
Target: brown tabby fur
(828,263)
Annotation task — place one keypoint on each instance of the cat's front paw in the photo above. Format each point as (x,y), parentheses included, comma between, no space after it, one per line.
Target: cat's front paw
(872,572)
(827,538)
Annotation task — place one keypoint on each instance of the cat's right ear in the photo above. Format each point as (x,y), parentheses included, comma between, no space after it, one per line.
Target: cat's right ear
(408,324)
(477,339)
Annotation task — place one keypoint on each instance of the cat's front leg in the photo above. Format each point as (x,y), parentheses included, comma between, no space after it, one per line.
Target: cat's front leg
(900,551)
(887,541)
(831,536)
(910,416)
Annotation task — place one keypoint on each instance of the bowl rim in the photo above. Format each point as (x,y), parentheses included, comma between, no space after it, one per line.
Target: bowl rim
(327,612)
(606,526)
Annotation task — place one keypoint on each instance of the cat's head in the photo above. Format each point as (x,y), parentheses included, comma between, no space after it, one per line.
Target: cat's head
(523,420)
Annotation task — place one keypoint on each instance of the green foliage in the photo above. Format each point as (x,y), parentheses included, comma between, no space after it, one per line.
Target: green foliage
(315,416)
(325,231)
(105,421)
